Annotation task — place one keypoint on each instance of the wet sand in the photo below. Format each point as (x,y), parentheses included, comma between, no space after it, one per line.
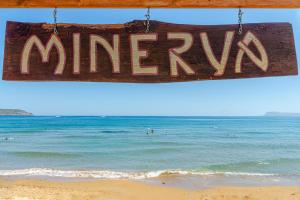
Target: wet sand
(130,190)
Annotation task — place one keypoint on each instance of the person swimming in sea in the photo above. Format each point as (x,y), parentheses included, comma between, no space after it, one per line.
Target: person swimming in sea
(7,138)
(150,131)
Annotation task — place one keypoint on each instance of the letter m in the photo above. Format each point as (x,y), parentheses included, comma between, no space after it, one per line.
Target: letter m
(44,51)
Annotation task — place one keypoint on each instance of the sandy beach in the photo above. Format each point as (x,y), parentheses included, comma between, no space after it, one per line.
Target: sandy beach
(129,190)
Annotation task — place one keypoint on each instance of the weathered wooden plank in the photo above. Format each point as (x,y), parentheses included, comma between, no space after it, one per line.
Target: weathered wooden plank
(125,53)
(150,3)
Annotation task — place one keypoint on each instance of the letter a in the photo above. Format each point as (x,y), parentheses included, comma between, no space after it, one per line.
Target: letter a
(262,63)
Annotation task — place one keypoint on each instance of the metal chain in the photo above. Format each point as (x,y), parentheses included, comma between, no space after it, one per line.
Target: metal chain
(240,22)
(147,22)
(55,21)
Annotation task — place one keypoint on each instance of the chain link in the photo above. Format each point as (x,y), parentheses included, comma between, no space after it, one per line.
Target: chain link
(147,22)
(240,21)
(55,21)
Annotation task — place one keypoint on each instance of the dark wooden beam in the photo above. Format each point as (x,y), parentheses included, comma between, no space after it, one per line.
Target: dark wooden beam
(150,3)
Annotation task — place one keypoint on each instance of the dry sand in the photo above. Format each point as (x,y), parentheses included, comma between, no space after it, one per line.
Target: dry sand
(128,190)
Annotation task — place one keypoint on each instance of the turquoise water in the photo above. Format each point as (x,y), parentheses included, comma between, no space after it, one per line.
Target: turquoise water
(119,147)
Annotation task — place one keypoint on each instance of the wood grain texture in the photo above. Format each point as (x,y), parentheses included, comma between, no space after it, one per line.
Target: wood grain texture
(150,3)
(277,39)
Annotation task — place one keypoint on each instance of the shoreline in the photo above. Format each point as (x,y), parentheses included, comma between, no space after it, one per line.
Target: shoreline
(27,189)
(188,182)
(191,180)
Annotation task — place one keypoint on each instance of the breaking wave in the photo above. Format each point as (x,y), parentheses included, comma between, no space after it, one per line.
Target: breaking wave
(106,174)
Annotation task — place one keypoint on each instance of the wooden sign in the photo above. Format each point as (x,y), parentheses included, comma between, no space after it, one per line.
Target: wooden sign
(168,53)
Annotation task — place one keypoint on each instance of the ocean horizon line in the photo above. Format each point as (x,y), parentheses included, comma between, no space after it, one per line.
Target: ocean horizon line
(58,115)
(158,116)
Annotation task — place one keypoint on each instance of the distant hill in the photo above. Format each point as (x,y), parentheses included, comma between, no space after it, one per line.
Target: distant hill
(281,114)
(14,112)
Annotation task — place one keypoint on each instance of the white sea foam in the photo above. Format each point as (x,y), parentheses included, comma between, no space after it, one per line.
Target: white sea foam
(105,174)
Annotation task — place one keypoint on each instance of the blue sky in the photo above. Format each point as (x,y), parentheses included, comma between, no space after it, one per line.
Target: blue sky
(224,97)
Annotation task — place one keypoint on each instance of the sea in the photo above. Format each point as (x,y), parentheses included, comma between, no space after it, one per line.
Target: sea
(195,152)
